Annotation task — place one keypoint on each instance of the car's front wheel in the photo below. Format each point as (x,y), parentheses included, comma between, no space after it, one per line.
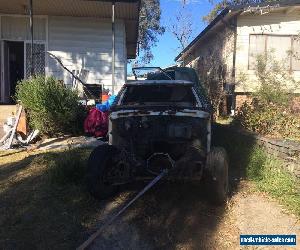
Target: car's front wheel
(217,175)
(99,164)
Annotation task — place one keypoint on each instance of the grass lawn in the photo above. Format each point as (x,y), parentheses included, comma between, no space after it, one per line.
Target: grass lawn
(43,201)
(265,170)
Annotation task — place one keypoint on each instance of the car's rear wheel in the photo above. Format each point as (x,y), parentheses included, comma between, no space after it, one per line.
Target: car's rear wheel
(217,176)
(99,164)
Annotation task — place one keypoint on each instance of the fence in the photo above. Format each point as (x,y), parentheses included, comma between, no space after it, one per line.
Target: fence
(286,150)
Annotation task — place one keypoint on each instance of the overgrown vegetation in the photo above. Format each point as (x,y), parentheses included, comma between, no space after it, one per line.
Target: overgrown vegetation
(271,110)
(250,161)
(270,176)
(52,108)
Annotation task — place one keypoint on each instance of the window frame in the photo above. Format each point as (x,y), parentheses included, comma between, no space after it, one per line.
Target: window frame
(291,36)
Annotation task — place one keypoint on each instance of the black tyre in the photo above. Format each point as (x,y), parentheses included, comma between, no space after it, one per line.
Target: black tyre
(217,176)
(99,163)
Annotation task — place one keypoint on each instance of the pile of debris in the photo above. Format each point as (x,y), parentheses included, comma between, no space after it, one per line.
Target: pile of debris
(16,131)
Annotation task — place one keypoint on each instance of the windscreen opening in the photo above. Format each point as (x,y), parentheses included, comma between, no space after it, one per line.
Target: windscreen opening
(159,95)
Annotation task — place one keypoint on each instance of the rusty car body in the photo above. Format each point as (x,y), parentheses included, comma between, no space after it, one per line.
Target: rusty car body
(160,122)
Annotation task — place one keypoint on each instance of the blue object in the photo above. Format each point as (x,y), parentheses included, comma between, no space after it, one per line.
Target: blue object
(105,106)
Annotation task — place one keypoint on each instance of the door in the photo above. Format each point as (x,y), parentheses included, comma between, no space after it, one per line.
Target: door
(5,72)
(12,70)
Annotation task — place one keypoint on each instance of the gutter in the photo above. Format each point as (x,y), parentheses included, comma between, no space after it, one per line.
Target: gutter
(236,8)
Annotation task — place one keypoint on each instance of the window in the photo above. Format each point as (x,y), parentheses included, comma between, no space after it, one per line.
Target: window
(282,46)
(159,95)
(257,46)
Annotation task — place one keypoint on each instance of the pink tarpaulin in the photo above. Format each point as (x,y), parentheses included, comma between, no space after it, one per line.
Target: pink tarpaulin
(96,123)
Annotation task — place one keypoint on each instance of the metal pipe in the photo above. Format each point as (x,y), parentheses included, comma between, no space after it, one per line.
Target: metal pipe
(31,34)
(113,45)
(94,236)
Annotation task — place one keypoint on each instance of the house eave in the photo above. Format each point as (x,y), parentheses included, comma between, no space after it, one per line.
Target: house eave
(232,11)
(126,10)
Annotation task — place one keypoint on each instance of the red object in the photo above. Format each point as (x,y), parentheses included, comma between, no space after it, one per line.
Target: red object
(96,123)
(104,97)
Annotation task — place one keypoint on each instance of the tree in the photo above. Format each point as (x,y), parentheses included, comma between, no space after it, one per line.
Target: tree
(149,29)
(181,26)
(219,6)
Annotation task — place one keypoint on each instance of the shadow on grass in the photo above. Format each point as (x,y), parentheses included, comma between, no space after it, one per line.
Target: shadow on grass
(38,213)
(174,216)
(178,216)
(239,148)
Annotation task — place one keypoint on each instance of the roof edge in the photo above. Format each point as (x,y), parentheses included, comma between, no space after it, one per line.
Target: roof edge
(223,13)
(235,8)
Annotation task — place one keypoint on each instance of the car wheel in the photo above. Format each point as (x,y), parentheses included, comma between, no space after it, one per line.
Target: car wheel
(217,179)
(99,163)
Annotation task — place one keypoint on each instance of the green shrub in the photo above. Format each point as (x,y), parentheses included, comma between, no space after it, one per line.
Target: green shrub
(52,108)
(269,119)
(270,111)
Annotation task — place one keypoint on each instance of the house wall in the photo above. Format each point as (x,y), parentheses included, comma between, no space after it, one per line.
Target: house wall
(16,28)
(85,43)
(213,57)
(80,43)
(272,23)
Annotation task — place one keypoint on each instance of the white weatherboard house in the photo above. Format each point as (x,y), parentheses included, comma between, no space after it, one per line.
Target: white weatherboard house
(226,50)
(78,32)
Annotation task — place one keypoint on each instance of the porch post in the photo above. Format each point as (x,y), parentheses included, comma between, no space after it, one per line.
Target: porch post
(113,46)
(31,35)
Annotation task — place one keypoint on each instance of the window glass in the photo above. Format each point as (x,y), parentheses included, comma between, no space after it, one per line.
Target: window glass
(257,46)
(280,46)
(159,95)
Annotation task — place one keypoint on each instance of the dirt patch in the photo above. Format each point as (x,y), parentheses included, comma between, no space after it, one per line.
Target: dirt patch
(40,215)
(171,217)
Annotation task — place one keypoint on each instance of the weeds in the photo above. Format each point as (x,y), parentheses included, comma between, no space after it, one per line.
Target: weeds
(271,111)
(67,168)
(270,176)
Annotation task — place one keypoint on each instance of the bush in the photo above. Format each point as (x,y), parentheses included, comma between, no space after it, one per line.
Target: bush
(270,112)
(269,119)
(52,108)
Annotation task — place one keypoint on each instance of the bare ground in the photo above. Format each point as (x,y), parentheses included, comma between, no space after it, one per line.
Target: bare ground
(35,214)
(169,217)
